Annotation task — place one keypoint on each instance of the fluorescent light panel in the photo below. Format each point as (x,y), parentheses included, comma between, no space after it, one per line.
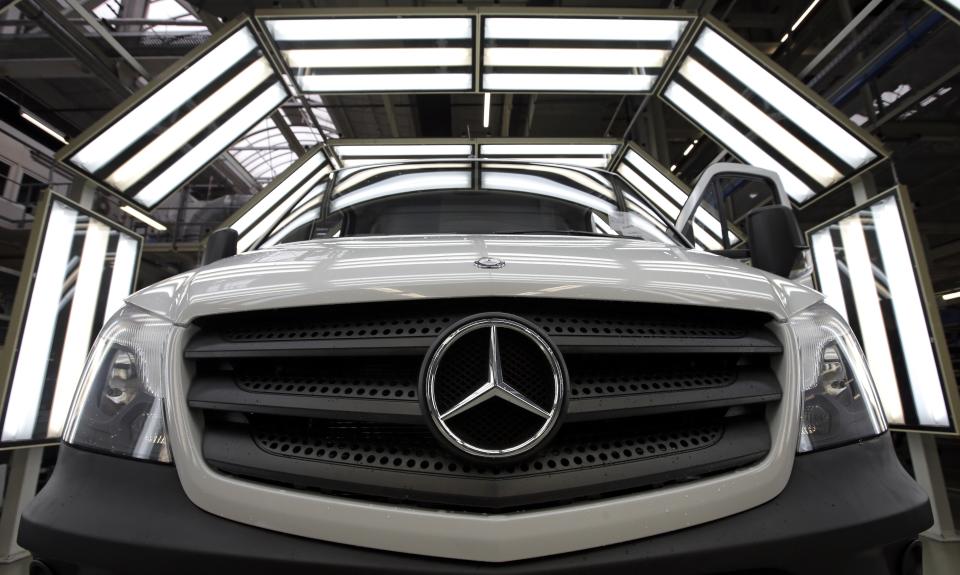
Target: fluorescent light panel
(486,109)
(83,308)
(404,150)
(378,57)
(260,229)
(568,82)
(760,123)
(599,29)
(144,117)
(908,312)
(40,322)
(734,140)
(873,331)
(828,270)
(279,191)
(212,145)
(121,280)
(575,57)
(299,30)
(548,149)
(333,83)
(785,99)
(951,295)
(174,137)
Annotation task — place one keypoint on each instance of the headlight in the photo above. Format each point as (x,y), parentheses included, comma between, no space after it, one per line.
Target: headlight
(119,404)
(840,404)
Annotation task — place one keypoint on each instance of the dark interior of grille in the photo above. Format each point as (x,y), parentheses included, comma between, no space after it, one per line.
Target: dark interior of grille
(327,399)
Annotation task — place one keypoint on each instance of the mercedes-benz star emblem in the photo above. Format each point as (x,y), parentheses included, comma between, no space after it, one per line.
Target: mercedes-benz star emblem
(494,387)
(488,263)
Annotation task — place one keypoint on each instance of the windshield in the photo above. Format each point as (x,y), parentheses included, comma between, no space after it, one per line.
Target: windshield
(470,197)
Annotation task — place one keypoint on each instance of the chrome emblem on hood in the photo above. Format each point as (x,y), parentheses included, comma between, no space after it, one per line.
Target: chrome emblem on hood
(488,263)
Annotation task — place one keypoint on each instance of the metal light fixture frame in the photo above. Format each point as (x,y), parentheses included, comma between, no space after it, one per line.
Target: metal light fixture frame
(11,348)
(64,155)
(811,97)
(928,302)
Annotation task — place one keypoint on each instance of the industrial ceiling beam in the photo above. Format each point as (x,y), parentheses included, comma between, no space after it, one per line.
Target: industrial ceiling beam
(92,21)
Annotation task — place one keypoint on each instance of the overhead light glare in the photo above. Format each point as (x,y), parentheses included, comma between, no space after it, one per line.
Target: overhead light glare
(569,82)
(326,29)
(144,218)
(599,29)
(50,131)
(673,167)
(951,295)
(689,149)
(785,99)
(804,15)
(486,109)
(575,57)
(785,37)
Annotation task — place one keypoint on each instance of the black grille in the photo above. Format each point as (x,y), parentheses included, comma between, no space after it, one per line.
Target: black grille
(327,399)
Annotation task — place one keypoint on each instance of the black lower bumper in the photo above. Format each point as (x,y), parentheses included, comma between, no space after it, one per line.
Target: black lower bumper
(850,509)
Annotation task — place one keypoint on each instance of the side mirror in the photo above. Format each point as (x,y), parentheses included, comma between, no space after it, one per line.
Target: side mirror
(775,239)
(220,244)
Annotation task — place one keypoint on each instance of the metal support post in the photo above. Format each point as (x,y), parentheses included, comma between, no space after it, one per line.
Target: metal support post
(941,543)
(21,487)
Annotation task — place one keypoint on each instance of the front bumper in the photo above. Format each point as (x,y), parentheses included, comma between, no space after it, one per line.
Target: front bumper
(851,509)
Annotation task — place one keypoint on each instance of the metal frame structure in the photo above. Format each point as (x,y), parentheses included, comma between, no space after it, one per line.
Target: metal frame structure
(792,82)
(65,155)
(927,299)
(25,286)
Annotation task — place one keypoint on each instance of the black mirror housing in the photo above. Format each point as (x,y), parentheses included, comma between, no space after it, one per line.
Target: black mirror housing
(775,239)
(221,244)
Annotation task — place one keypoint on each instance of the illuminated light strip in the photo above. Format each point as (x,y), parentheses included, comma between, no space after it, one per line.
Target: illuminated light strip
(76,341)
(600,29)
(575,57)
(270,220)
(950,296)
(384,82)
(873,332)
(570,82)
(327,29)
(828,270)
(378,57)
(538,186)
(401,150)
(486,109)
(355,179)
(179,134)
(121,280)
(785,99)
(735,141)
(143,218)
(680,198)
(212,145)
(279,192)
(573,175)
(760,123)
(804,15)
(909,314)
(404,184)
(598,162)
(38,123)
(144,117)
(606,150)
(26,386)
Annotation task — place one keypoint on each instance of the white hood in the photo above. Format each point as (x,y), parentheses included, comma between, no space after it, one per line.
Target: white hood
(397,268)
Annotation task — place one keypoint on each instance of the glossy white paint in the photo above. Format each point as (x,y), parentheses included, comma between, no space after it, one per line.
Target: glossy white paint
(396,268)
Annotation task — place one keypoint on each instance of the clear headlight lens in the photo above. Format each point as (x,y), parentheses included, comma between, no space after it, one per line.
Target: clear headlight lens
(840,403)
(119,404)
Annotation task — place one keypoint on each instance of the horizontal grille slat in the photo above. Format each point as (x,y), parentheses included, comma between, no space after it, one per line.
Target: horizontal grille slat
(412,470)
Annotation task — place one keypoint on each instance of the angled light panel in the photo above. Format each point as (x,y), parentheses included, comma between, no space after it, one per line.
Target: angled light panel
(179,123)
(754,111)
(623,54)
(264,211)
(656,184)
(587,155)
(358,153)
(339,54)
(78,270)
(865,267)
